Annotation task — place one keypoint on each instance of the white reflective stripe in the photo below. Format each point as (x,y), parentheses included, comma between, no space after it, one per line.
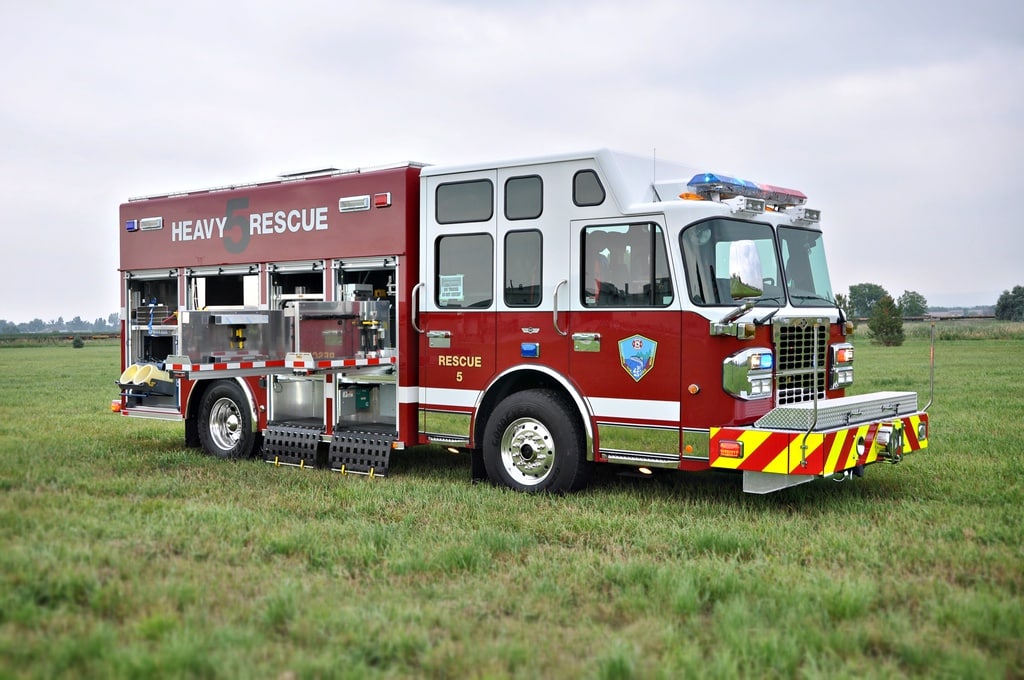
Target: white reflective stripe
(436,396)
(644,409)
(408,395)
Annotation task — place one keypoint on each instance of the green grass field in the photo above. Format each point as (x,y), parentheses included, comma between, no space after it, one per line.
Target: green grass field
(123,554)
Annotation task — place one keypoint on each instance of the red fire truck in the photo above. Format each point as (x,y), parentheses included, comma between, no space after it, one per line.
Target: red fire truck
(547,315)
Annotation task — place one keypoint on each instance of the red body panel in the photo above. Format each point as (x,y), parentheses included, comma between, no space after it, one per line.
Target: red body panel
(220,226)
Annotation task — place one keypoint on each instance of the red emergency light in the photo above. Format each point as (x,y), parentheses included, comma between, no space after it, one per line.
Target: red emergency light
(382,200)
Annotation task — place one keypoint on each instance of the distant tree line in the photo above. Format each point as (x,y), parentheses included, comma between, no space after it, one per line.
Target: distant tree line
(885,315)
(1010,306)
(59,325)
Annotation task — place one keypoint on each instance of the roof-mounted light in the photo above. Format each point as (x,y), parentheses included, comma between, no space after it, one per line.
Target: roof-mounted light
(719,187)
(780,196)
(709,184)
(745,205)
(802,215)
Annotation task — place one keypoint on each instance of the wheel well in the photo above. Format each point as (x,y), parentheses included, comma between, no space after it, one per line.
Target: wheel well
(517,381)
(199,388)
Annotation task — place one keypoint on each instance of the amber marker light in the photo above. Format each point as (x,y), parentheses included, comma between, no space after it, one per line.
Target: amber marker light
(693,389)
(730,449)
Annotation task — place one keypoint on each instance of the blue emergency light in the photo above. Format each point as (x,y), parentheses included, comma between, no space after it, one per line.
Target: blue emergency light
(131,225)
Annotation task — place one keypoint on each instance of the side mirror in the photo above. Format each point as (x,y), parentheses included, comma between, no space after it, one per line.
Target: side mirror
(745,277)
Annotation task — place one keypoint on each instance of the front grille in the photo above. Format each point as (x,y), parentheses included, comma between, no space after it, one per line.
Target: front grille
(800,368)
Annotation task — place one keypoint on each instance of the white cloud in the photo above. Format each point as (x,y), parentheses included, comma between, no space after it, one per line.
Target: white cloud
(903,123)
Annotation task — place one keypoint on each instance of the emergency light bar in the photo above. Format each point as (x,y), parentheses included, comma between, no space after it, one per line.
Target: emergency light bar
(717,187)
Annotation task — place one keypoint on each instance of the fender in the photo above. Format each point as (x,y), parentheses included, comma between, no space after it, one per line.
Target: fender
(582,406)
(246,390)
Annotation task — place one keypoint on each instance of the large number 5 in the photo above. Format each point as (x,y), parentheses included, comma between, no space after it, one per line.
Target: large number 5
(239,244)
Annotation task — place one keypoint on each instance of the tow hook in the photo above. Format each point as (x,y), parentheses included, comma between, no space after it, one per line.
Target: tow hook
(855,471)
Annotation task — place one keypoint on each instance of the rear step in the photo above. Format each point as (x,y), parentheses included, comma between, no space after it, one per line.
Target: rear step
(290,444)
(361,452)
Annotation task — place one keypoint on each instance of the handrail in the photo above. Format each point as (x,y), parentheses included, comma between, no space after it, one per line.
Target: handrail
(414,301)
(931,353)
(554,307)
(814,419)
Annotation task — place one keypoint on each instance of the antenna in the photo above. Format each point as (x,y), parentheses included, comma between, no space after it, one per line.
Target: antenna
(654,164)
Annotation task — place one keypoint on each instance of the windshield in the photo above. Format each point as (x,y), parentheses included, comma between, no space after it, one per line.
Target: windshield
(706,248)
(803,253)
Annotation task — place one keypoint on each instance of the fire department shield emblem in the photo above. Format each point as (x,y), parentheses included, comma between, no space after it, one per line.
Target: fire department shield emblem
(637,355)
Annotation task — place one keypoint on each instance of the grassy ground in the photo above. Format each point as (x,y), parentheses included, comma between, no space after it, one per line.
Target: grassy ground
(122,554)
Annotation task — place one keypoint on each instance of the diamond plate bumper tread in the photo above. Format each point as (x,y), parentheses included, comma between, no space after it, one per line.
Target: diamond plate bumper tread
(839,413)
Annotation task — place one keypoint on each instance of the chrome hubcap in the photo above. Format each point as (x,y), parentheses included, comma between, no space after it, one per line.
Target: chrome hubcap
(527,451)
(225,424)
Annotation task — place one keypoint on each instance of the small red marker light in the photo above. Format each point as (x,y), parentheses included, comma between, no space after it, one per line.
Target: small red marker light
(382,200)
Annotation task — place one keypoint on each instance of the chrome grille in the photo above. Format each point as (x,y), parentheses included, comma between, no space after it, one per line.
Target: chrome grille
(800,367)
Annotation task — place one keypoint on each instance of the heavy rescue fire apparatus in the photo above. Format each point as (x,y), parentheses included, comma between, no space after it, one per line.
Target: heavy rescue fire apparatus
(546,315)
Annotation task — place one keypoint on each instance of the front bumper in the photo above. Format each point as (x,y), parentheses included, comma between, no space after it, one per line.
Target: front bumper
(838,435)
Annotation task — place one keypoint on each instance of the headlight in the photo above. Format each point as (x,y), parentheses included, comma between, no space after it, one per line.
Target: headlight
(748,373)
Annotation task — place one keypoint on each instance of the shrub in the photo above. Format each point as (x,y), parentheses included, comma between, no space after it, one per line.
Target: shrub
(78,342)
(886,322)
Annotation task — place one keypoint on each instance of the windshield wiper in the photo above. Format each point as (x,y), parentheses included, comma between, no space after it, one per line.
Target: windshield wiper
(746,305)
(832,303)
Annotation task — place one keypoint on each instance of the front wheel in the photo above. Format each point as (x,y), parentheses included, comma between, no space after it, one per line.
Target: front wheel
(534,442)
(225,422)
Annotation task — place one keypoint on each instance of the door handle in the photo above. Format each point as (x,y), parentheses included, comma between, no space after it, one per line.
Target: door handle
(439,339)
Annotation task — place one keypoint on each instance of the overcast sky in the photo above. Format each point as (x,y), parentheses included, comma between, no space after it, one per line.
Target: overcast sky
(902,121)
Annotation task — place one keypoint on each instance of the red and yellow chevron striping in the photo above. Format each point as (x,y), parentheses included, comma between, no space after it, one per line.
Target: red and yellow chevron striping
(817,453)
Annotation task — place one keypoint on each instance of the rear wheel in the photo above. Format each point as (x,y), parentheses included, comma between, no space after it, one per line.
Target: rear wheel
(225,422)
(534,442)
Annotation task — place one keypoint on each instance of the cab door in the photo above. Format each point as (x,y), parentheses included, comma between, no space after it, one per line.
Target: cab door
(459,289)
(625,352)
(533,248)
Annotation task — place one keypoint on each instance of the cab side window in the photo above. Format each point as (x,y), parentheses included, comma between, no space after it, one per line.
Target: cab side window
(465,271)
(587,188)
(522,278)
(625,266)
(471,201)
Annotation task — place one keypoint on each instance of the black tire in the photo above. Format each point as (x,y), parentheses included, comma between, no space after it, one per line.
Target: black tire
(534,442)
(225,422)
